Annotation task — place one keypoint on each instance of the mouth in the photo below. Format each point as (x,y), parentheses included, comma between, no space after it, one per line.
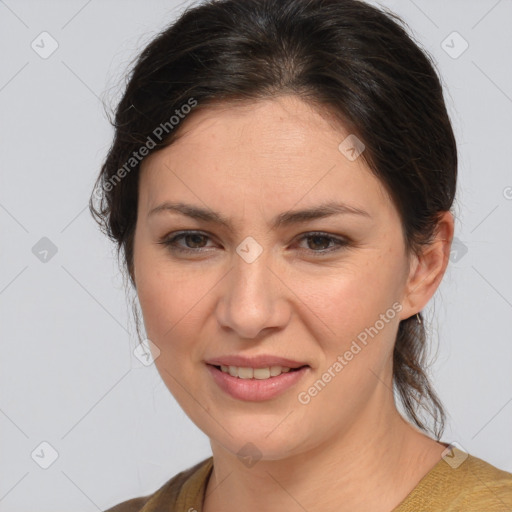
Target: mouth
(256,384)
(249,373)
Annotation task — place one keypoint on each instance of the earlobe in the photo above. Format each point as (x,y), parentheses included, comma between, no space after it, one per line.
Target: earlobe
(428,268)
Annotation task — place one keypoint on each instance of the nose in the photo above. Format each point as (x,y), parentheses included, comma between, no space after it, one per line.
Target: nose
(253,298)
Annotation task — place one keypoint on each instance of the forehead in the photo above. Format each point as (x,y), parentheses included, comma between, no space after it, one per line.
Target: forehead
(275,152)
(283,126)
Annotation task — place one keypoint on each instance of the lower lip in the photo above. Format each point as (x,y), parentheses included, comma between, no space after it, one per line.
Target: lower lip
(256,390)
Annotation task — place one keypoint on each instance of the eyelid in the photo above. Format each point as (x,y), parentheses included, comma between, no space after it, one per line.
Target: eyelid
(341,242)
(169,240)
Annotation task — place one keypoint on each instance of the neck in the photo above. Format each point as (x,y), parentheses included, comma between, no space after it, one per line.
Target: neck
(373,466)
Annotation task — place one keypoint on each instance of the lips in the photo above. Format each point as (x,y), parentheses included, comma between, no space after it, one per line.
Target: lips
(233,375)
(261,361)
(256,390)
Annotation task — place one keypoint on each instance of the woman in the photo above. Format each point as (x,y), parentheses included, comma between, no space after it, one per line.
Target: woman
(280,186)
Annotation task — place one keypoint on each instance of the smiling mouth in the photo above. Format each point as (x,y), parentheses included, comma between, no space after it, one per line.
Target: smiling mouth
(243,372)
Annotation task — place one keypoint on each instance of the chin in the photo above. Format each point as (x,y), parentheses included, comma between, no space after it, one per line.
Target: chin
(250,443)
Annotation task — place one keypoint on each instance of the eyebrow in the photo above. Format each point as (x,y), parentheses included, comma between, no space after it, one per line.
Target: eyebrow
(283,219)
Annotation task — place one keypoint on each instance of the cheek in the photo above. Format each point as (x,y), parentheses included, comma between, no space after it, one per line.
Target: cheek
(353,296)
(172,305)
(168,293)
(359,312)
(170,302)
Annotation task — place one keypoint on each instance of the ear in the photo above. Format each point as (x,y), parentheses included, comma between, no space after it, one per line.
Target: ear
(427,269)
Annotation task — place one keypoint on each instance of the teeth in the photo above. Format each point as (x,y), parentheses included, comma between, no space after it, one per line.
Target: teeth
(261,373)
(243,372)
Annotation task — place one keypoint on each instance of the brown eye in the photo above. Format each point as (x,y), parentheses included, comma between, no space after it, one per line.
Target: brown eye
(194,242)
(318,243)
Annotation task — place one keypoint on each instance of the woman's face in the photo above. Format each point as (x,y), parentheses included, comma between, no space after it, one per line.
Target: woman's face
(254,287)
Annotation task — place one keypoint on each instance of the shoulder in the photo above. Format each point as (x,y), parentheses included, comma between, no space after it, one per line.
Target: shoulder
(167,493)
(133,505)
(461,482)
(486,487)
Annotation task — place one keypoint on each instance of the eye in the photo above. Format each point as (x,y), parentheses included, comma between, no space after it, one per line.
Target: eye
(323,239)
(197,240)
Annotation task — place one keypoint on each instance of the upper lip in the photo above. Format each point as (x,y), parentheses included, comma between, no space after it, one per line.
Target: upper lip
(261,361)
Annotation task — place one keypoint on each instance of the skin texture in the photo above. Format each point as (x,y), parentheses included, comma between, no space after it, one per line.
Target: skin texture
(348,448)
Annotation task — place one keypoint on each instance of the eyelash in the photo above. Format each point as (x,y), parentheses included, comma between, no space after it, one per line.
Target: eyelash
(170,243)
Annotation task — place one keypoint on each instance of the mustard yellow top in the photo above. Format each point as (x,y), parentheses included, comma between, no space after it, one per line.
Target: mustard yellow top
(459,482)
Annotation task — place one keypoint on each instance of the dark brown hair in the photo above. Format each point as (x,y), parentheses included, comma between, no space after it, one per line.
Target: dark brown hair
(352,61)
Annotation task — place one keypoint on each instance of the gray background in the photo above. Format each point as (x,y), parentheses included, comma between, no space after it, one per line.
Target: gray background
(67,371)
